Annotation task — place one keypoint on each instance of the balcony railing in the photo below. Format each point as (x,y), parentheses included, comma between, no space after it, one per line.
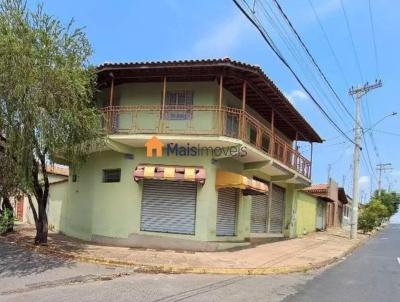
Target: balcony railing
(203,120)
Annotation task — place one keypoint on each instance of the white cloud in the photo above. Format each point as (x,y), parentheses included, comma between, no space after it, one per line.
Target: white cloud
(220,42)
(327,7)
(295,95)
(364,182)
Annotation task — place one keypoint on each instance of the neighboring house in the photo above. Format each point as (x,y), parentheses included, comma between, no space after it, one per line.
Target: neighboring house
(58,179)
(310,213)
(200,155)
(336,199)
(347,210)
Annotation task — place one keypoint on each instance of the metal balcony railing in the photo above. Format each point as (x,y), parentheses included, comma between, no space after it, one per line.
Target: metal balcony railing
(203,120)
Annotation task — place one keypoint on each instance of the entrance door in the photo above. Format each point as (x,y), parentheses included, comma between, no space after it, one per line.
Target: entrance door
(259,213)
(277,209)
(227,211)
(169,206)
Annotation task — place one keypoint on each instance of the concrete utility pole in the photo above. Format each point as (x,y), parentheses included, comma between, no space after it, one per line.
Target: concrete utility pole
(382,168)
(358,93)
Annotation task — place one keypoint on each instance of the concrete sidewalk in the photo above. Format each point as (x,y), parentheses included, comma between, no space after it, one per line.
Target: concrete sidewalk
(296,255)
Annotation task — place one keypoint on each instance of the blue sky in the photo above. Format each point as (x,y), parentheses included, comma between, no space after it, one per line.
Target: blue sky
(137,30)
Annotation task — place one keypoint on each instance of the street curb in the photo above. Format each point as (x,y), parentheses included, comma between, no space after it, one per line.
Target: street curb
(171,269)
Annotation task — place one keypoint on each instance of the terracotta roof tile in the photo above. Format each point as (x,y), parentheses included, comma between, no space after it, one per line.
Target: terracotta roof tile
(58,170)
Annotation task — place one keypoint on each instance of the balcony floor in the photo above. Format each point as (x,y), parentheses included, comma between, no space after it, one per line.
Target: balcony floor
(256,162)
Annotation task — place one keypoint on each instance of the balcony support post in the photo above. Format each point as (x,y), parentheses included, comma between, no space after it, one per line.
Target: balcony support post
(220,116)
(244,93)
(164,94)
(110,115)
(311,158)
(272,133)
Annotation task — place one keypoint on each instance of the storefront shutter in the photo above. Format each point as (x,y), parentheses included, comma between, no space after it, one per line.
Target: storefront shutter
(227,211)
(277,209)
(169,206)
(259,213)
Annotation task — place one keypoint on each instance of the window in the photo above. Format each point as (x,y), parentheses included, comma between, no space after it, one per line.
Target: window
(176,100)
(346,211)
(112,175)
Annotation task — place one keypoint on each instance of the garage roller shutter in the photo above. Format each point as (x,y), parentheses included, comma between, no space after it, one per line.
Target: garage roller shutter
(227,211)
(259,213)
(277,209)
(169,206)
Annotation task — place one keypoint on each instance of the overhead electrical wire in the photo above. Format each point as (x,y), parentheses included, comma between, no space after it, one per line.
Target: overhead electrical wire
(326,37)
(371,19)
(346,18)
(273,47)
(313,59)
(273,19)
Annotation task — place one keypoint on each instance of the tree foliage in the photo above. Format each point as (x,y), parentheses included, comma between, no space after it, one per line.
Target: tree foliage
(379,209)
(46,97)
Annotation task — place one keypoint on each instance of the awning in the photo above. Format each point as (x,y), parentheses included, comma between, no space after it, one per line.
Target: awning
(175,173)
(234,180)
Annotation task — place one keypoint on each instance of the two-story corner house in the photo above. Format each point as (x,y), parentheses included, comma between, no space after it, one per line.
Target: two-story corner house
(200,155)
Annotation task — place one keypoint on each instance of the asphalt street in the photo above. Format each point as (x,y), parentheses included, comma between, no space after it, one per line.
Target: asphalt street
(372,273)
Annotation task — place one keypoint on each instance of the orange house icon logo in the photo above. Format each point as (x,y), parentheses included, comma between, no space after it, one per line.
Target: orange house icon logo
(154,144)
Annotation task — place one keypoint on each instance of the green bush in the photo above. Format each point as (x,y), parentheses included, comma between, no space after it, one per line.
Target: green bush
(372,216)
(6,221)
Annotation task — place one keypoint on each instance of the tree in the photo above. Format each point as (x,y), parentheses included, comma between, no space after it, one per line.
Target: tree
(46,98)
(372,215)
(390,199)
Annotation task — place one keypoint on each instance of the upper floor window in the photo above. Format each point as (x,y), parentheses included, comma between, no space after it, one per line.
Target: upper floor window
(111,175)
(179,105)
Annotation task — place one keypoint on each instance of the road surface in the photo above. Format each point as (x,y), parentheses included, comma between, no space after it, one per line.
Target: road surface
(372,273)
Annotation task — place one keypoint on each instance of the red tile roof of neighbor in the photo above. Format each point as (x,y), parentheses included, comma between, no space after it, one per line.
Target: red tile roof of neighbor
(263,95)
(317,188)
(64,171)
(322,191)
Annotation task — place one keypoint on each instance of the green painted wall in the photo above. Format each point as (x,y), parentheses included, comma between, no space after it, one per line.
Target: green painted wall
(57,195)
(205,94)
(306,213)
(113,209)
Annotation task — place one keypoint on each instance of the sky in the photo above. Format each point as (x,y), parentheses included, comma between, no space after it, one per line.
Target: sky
(138,30)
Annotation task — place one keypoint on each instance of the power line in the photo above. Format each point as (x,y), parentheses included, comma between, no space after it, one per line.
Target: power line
(267,39)
(352,40)
(312,58)
(329,44)
(275,22)
(373,37)
(387,132)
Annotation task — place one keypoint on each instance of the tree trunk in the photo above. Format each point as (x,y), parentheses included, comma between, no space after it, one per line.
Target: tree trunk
(34,212)
(42,225)
(41,194)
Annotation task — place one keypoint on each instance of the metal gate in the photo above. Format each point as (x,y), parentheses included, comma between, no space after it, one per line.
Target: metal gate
(259,214)
(168,206)
(277,209)
(227,211)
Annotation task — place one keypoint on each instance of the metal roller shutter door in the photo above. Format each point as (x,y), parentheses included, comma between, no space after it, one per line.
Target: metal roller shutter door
(259,213)
(169,206)
(226,211)
(277,209)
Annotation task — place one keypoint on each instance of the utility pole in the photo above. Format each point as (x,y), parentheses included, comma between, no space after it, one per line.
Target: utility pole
(358,93)
(382,168)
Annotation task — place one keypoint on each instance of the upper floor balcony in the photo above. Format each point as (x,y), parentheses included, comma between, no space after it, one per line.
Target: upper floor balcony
(204,121)
(220,102)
